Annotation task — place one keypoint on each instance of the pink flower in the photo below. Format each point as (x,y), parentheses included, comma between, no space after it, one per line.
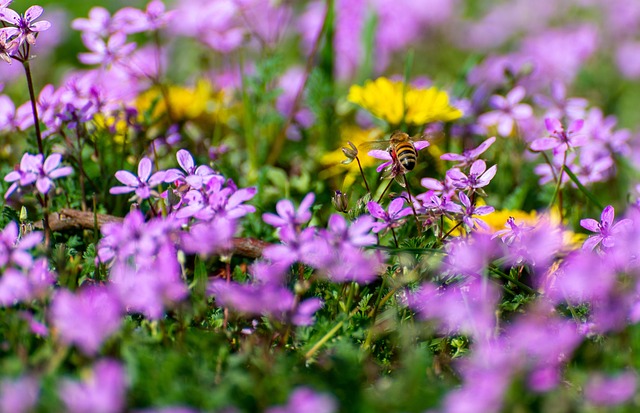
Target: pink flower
(142,183)
(26,27)
(605,229)
(508,111)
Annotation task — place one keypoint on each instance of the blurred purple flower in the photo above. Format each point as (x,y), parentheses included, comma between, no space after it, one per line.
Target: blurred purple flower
(265,19)
(104,391)
(14,250)
(287,214)
(558,106)
(106,52)
(19,395)
(130,20)
(149,289)
(142,183)
(216,24)
(605,229)
(305,247)
(86,318)
(392,218)
(207,238)
(604,390)
(290,83)
(469,156)
(462,308)
(305,311)
(253,299)
(306,400)
(26,27)
(627,58)
(99,23)
(508,111)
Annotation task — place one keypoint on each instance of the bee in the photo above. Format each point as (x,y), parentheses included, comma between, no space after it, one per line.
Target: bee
(402,151)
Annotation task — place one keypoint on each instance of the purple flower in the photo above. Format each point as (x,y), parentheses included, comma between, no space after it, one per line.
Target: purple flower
(7,47)
(305,400)
(470,210)
(305,311)
(19,395)
(142,183)
(560,140)
(287,214)
(508,111)
(196,177)
(605,229)
(105,53)
(558,105)
(150,288)
(86,318)
(99,23)
(305,247)
(357,234)
(130,20)
(206,238)
(14,251)
(467,157)
(610,391)
(462,308)
(392,218)
(103,391)
(26,26)
(32,169)
(253,299)
(479,176)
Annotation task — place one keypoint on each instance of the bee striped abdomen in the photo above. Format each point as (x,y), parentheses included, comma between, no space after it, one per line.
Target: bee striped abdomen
(407,155)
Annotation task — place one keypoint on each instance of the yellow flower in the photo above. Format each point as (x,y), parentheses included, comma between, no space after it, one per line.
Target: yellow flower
(498,219)
(185,103)
(384,99)
(116,125)
(333,161)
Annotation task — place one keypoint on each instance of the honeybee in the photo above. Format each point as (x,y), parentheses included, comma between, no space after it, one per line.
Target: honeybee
(402,150)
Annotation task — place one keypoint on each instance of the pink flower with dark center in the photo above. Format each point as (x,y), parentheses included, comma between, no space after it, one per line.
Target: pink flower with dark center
(559,139)
(479,176)
(392,218)
(142,183)
(605,229)
(26,26)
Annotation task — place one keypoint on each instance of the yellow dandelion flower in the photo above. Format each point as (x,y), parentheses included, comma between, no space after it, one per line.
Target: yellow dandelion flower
(388,99)
(333,161)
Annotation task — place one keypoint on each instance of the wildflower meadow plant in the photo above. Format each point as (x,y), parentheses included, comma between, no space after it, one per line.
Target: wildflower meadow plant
(371,206)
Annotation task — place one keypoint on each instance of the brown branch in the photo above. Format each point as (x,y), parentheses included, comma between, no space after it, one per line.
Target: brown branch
(68,219)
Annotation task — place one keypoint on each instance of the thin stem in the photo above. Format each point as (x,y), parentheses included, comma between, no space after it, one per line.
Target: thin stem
(363,177)
(367,342)
(34,109)
(415,215)
(450,231)
(385,190)
(395,239)
(280,138)
(558,191)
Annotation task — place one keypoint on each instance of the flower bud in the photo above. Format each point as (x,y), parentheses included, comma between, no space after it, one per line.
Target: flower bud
(340,202)
(351,153)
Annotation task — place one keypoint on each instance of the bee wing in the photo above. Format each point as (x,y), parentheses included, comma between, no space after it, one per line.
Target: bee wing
(431,136)
(378,144)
